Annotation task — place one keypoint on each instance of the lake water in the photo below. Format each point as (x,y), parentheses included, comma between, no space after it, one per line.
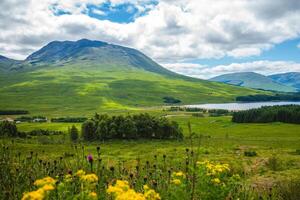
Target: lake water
(240,106)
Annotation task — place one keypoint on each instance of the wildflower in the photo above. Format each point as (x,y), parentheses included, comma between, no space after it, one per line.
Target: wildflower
(90,178)
(150,194)
(178,174)
(44,181)
(176,181)
(93,195)
(216,180)
(90,158)
(48,187)
(34,195)
(80,173)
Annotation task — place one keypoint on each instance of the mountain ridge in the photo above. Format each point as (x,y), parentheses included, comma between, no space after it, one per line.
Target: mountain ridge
(291,79)
(83,76)
(252,80)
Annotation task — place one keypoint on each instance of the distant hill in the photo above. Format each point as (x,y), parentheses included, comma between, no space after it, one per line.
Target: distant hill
(252,80)
(6,63)
(79,77)
(291,79)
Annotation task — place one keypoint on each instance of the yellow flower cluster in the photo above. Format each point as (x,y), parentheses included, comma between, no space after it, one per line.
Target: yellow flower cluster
(214,169)
(176,181)
(44,181)
(179,174)
(89,178)
(80,173)
(122,191)
(176,177)
(45,185)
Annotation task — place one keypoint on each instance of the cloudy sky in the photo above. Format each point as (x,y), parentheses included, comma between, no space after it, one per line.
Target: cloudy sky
(200,38)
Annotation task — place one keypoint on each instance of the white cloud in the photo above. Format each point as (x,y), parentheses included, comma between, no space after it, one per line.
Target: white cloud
(173,31)
(264,67)
(298,45)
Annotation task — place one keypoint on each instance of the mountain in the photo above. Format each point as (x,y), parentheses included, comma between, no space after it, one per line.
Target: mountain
(253,80)
(82,77)
(6,63)
(291,79)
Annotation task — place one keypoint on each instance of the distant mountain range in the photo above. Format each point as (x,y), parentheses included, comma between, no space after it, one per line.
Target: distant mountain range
(289,82)
(76,77)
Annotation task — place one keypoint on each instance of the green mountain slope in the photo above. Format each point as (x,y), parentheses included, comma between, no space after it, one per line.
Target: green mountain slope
(253,80)
(60,81)
(291,79)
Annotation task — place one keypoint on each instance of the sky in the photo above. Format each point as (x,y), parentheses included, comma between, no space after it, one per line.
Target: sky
(199,38)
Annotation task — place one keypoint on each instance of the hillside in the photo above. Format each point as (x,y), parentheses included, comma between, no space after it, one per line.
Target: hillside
(291,79)
(252,80)
(78,78)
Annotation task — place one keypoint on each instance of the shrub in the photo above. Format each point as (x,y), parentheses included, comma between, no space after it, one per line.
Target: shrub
(171,100)
(8,129)
(250,153)
(73,133)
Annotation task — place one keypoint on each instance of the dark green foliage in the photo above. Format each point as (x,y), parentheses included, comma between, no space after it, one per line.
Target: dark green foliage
(186,109)
(31,119)
(263,97)
(8,129)
(69,119)
(88,130)
(219,111)
(42,132)
(250,153)
(140,126)
(171,100)
(13,112)
(287,114)
(73,133)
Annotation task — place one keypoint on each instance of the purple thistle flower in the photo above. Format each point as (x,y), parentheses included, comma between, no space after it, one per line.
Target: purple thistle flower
(90,158)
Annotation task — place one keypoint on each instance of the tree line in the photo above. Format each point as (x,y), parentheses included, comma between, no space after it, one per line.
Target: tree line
(14,112)
(264,97)
(286,114)
(140,126)
(69,119)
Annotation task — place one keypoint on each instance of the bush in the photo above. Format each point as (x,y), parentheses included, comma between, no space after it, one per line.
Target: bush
(8,129)
(171,100)
(250,153)
(73,134)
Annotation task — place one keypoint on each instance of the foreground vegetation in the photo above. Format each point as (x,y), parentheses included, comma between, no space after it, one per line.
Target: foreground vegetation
(255,158)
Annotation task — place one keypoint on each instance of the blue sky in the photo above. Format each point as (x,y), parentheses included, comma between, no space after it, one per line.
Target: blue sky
(192,37)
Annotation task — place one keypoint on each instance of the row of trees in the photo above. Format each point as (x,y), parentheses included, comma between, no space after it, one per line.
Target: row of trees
(13,112)
(69,119)
(145,126)
(287,114)
(264,97)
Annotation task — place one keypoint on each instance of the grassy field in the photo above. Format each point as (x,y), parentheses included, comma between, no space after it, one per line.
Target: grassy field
(221,141)
(69,90)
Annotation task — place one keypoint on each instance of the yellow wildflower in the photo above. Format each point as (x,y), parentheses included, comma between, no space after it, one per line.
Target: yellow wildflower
(47,187)
(44,181)
(90,178)
(180,173)
(80,173)
(34,195)
(150,194)
(93,195)
(216,180)
(176,181)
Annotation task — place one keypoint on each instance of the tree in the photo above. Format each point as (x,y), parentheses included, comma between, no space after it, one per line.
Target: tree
(8,129)
(73,134)
(88,130)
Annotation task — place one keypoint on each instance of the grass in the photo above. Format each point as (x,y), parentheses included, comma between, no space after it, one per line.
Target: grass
(71,91)
(221,141)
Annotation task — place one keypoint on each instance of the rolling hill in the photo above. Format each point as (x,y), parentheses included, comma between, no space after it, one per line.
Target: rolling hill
(253,80)
(291,79)
(82,77)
